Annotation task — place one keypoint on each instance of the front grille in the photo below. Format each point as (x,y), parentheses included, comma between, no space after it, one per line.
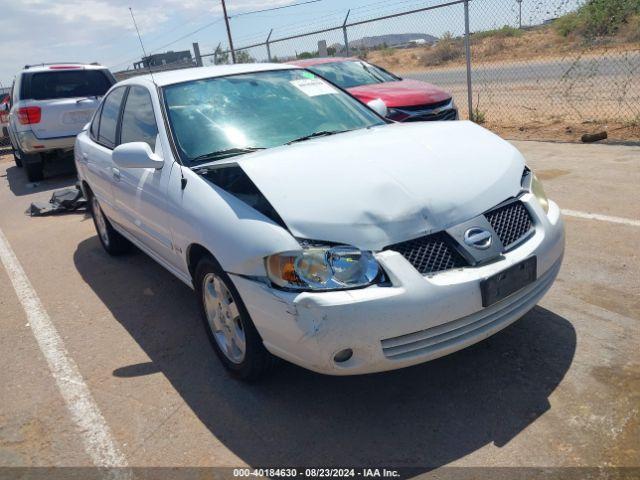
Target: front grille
(428,106)
(511,222)
(430,117)
(437,252)
(430,254)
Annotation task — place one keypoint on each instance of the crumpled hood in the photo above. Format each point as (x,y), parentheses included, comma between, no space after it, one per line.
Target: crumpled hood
(403,93)
(375,187)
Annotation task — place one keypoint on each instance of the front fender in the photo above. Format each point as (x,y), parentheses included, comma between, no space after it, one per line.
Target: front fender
(237,235)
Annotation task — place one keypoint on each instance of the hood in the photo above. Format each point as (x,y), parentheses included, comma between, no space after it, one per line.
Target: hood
(403,93)
(375,187)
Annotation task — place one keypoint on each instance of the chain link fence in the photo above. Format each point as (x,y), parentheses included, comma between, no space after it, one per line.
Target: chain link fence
(543,69)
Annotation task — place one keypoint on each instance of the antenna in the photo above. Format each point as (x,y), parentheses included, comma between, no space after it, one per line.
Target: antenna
(183,180)
(142,46)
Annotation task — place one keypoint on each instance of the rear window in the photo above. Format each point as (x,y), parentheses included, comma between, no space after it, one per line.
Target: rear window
(66,84)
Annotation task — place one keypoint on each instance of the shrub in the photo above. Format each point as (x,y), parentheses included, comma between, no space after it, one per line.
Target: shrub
(447,49)
(568,24)
(598,18)
(503,32)
(630,31)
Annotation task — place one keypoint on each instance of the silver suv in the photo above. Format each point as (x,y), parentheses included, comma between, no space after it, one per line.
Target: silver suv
(50,103)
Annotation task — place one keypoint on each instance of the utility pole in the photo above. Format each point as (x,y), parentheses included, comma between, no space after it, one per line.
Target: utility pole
(519,13)
(226,20)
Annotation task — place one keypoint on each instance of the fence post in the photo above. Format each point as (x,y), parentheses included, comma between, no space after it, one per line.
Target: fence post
(344,32)
(196,53)
(267,44)
(468,55)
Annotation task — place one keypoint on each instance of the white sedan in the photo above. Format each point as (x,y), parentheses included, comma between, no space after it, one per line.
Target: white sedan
(311,228)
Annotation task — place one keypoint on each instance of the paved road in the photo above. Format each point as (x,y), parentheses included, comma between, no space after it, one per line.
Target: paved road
(534,71)
(558,388)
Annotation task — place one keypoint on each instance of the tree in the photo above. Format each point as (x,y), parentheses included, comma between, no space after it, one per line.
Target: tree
(305,55)
(242,56)
(220,56)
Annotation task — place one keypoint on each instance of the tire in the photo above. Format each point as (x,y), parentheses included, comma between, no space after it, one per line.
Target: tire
(112,241)
(227,319)
(34,166)
(16,159)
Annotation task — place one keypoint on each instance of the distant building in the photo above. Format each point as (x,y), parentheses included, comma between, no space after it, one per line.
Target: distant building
(167,58)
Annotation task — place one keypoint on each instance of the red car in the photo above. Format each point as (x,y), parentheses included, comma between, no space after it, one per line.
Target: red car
(406,100)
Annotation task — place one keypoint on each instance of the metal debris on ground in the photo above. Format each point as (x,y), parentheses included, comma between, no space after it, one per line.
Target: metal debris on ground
(62,201)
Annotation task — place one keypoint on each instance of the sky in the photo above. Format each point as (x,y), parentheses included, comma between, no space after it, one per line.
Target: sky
(35,31)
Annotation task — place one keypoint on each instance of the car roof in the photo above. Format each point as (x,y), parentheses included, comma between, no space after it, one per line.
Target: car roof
(162,79)
(317,61)
(61,67)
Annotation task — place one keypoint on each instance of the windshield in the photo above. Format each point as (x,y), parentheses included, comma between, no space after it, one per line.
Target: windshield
(241,113)
(68,84)
(352,74)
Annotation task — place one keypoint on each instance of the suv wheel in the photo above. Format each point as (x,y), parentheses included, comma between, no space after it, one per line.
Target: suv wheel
(112,241)
(229,327)
(34,165)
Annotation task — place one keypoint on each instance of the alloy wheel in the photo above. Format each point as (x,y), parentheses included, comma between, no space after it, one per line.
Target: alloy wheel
(223,318)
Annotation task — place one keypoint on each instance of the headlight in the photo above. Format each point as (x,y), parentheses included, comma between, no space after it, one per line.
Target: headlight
(531,183)
(538,192)
(323,268)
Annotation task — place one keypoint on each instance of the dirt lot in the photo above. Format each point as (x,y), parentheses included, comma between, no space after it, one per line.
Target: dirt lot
(560,388)
(535,84)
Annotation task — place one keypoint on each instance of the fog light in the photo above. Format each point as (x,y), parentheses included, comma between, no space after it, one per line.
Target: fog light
(343,355)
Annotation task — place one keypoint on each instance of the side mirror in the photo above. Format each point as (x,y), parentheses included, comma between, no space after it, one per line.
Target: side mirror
(379,107)
(136,155)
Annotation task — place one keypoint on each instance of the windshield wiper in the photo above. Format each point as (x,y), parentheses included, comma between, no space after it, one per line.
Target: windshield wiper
(229,152)
(322,133)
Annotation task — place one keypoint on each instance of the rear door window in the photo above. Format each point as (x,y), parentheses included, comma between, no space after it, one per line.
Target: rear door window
(67,84)
(109,118)
(138,120)
(95,124)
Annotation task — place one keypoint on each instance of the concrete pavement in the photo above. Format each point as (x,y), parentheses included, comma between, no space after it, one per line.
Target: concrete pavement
(559,388)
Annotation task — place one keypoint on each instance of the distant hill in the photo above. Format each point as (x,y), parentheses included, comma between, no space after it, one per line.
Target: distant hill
(391,40)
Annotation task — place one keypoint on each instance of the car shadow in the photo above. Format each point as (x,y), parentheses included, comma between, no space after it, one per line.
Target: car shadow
(423,417)
(59,175)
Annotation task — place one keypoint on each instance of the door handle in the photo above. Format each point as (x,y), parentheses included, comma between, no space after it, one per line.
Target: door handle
(116,174)
(85,157)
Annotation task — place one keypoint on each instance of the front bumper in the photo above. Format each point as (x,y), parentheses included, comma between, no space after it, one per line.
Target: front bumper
(416,319)
(29,143)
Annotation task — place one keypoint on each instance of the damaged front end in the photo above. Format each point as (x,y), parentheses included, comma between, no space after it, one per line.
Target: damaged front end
(316,266)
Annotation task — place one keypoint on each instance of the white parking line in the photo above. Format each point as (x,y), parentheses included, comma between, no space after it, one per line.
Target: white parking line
(602,218)
(96,435)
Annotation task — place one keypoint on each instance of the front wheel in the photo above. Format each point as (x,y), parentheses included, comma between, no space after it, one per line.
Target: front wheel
(229,327)
(112,241)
